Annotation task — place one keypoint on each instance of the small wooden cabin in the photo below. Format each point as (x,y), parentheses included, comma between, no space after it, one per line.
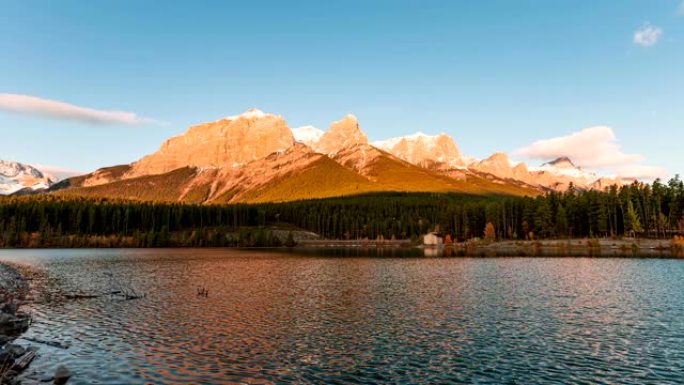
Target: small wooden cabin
(433,239)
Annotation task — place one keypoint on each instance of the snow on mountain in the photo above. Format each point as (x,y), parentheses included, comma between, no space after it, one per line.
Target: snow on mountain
(564,166)
(308,135)
(424,150)
(15,176)
(556,175)
(387,144)
(415,137)
(252,113)
(228,145)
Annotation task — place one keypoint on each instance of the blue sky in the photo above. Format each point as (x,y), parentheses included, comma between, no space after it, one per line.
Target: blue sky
(495,75)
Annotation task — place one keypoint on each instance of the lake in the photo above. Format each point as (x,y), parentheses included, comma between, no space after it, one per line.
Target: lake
(355,317)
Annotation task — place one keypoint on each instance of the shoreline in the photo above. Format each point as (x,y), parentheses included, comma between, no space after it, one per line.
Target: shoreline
(14,323)
(598,247)
(15,358)
(574,247)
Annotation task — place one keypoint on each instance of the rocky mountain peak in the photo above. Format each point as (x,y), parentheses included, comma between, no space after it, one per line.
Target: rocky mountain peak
(563,166)
(498,159)
(229,142)
(499,165)
(342,134)
(562,162)
(424,150)
(11,169)
(249,148)
(520,168)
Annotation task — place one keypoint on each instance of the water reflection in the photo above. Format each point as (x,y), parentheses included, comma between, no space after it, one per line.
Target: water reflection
(300,317)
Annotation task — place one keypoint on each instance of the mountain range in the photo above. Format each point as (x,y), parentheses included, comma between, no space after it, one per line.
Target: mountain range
(18,178)
(256,157)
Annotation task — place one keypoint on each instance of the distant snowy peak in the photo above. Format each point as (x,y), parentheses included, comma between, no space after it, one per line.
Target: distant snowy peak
(387,144)
(308,135)
(15,176)
(15,169)
(424,150)
(252,113)
(562,162)
(565,166)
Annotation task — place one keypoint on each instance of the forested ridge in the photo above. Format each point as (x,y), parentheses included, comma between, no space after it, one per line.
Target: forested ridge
(650,210)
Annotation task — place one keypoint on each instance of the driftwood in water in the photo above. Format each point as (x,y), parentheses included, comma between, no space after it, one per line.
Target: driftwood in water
(127,295)
(121,290)
(56,344)
(80,296)
(24,361)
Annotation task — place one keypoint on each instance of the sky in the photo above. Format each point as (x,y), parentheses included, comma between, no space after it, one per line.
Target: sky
(92,84)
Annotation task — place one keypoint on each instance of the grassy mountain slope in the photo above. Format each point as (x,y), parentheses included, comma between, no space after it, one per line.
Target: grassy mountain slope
(321,179)
(314,179)
(325,179)
(163,188)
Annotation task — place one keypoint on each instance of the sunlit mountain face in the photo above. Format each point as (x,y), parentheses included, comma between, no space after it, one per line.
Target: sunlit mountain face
(255,156)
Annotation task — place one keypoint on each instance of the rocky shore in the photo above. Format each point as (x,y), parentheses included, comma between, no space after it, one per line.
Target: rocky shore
(15,359)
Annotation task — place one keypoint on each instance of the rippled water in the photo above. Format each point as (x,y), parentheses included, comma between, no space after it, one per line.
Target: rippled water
(277,318)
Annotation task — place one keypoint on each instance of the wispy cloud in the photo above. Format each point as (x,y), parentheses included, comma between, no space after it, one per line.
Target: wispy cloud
(640,172)
(595,148)
(680,9)
(54,109)
(647,35)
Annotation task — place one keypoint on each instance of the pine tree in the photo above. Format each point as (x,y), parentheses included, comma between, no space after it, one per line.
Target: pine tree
(632,222)
(542,220)
(489,232)
(561,222)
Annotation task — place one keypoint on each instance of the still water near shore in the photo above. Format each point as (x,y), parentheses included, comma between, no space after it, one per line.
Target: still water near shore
(327,317)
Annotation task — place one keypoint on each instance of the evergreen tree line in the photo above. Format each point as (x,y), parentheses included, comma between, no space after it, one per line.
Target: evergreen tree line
(648,210)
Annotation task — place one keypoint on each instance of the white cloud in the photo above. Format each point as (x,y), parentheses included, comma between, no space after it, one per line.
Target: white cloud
(53,109)
(641,172)
(680,9)
(647,35)
(594,148)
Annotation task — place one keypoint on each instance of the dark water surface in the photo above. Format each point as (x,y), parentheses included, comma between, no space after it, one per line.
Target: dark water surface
(295,317)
